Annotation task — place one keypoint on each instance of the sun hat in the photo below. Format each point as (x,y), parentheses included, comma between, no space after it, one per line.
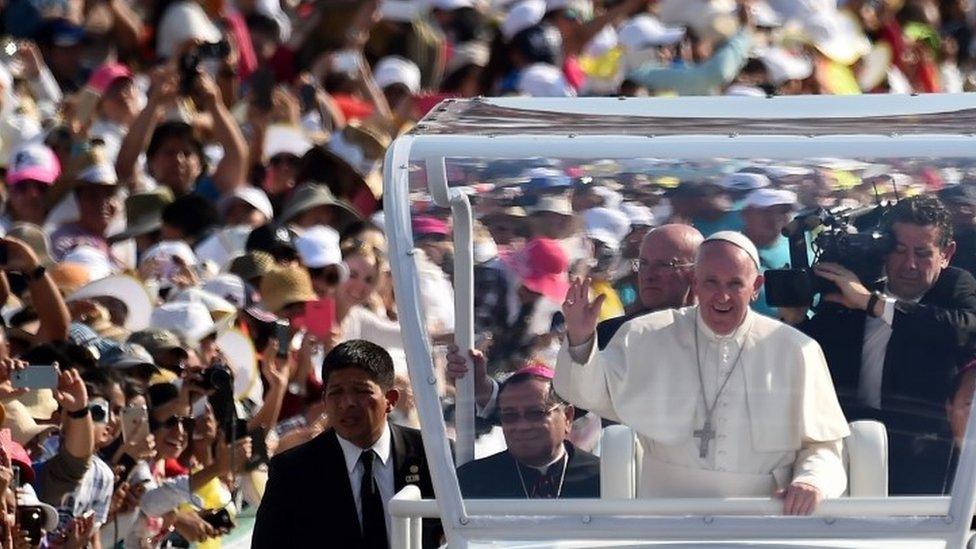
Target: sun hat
(23,427)
(544,80)
(542,265)
(765,198)
(124,288)
(739,240)
(216,305)
(188,319)
(283,286)
(836,36)
(18,456)
(33,162)
(783,66)
(230,287)
(241,357)
(157,340)
(251,265)
(607,225)
(144,213)
(311,195)
(426,225)
(394,69)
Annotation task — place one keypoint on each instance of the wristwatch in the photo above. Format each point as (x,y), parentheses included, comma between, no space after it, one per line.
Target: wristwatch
(78,414)
(872,301)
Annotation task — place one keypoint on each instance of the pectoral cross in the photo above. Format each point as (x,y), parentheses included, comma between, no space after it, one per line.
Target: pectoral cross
(706,434)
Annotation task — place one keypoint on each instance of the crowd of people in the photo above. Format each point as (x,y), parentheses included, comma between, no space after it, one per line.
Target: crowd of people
(198,311)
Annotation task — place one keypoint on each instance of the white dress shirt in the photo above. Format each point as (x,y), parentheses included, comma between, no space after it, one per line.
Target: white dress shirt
(382,471)
(877,333)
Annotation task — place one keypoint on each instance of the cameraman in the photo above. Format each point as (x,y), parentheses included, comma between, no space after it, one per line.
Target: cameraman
(893,349)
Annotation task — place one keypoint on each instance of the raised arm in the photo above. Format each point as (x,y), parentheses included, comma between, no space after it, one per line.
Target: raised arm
(52,313)
(232,169)
(162,93)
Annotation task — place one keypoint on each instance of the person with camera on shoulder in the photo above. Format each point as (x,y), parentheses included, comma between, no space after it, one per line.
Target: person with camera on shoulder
(894,348)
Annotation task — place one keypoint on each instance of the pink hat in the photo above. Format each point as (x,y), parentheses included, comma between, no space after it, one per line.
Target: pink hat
(543,267)
(104,76)
(430,225)
(537,369)
(34,162)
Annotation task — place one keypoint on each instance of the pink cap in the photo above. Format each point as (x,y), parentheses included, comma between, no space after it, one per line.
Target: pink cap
(430,225)
(537,369)
(105,75)
(543,267)
(34,162)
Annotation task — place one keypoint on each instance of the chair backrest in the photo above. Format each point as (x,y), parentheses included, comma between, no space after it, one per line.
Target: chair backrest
(865,457)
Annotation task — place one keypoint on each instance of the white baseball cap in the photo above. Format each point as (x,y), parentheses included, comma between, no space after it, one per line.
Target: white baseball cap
(283,138)
(744,181)
(168,248)
(397,70)
(318,247)
(251,195)
(544,80)
(554,204)
(188,319)
(765,198)
(522,16)
(638,214)
(783,66)
(646,31)
(606,225)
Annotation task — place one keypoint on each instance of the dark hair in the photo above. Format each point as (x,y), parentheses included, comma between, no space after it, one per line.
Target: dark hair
(101,379)
(924,210)
(192,214)
(362,355)
(160,394)
(552,399)
(174,129)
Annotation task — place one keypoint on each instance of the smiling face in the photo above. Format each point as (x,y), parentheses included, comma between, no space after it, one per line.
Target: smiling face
(357,406)
(726,280)
(171,436)
(97,205)
(534,428)
(361,280)
(917,260)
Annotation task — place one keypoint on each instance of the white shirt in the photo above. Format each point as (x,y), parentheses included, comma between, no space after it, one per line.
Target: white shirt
(877,333)
(382,472)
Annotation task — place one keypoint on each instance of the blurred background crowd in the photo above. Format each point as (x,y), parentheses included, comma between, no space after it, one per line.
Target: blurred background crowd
(192,208)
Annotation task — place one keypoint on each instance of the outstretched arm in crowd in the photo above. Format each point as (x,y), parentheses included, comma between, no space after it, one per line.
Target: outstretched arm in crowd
(52,313)
(62,473)
(163,93)
(232,169)
(275,371)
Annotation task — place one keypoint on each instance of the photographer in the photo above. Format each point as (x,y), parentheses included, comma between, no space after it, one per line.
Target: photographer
(893,349)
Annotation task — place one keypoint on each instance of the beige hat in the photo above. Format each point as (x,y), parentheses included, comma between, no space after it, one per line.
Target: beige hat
(286,285)
(20,421)
(35,238)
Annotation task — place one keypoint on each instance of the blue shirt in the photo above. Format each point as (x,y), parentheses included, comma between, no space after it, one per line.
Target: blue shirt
(731,221)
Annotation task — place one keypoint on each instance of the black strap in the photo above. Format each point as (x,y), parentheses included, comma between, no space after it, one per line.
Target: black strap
(374,517)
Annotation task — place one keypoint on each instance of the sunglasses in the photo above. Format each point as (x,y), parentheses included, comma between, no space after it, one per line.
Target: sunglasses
(329,273)
(99,411)
(283,159)
(174,421)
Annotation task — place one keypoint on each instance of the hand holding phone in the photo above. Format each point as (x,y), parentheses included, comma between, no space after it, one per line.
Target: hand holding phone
(283,335)
(135,424)
(320,317)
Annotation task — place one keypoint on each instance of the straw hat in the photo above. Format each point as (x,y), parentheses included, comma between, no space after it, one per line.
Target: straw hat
(23,428)
(123,288)
(284,286)
(253,264)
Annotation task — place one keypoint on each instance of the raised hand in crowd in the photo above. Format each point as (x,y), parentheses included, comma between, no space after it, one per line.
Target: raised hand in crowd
(191,526)
(457,368)
(581,314)
(7,367)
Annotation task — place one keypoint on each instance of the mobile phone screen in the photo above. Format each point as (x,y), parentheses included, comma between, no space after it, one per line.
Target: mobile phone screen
(320,317)
(36,377)
(135,423)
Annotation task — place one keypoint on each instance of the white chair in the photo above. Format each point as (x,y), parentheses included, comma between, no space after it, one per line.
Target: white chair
(865,457)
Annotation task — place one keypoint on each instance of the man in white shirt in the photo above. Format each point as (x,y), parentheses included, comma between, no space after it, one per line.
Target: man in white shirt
(336,488)
(725,402)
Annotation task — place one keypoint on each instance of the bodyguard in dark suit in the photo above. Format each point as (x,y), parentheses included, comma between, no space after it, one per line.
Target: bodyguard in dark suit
(539,461)
(893,352)
(335,489)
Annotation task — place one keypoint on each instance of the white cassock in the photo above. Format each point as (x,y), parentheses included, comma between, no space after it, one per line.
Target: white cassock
(777,421)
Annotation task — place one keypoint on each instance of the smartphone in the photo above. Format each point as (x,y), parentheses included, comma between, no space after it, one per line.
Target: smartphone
(218,518)
(30,519)
(307,96)
(4,255)
(345,61)
(320,317)
(135,423)
(283,335)
(262,87)
(87,102)
(36,377)
(238,432)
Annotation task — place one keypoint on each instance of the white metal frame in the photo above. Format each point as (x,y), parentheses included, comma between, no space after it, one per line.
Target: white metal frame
(930,518)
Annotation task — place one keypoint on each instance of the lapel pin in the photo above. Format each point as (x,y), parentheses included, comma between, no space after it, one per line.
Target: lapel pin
(414,469)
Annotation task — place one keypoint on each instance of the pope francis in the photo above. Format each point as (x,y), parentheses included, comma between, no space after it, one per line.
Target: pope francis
(725,402)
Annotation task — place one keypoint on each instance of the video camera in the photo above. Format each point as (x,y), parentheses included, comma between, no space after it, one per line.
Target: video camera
(851,237)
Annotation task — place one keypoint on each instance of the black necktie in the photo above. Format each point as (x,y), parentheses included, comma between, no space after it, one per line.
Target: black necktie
(374,519)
